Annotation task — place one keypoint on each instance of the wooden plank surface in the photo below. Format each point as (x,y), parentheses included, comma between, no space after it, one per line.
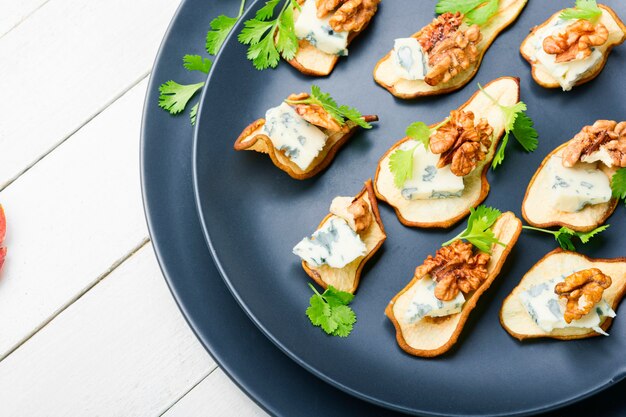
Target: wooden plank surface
(71,218)
(67,62)
(14,12)
(215,396)
(123,349)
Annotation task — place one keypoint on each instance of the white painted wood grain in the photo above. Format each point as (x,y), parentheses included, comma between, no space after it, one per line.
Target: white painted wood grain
(215,396)
(66,63)
(13,12)
(123,349)
(70,218)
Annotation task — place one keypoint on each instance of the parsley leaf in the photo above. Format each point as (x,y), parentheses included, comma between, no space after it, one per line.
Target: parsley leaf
(618,184)
(564,235)
(337,112)
(478,231)
(476,11)
(174,97)
(270,38)
(516,121)
(220,28)
(330,311)
(585,9)
(197,63)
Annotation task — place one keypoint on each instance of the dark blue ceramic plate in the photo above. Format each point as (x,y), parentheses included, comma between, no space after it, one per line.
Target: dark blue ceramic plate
(253,214)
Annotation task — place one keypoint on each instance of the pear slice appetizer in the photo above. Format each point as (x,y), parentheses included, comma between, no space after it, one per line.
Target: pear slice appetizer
(347,278)
(311,61)
(386,76)
(518,323)
(617,35)
(433,336)
(253,138)
(539,214)
(445,212)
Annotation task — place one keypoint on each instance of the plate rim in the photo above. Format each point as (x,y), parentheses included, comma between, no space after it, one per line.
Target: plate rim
(200,211)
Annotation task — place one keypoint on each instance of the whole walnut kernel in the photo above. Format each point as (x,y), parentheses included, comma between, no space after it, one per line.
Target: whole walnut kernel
(360,210)
(453,55)
(461,143)
(577,40)
(583,290)
(439,29)
(455,268)
(347,15)
(606,135)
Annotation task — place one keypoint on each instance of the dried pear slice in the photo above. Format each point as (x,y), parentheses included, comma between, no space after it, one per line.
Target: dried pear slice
(433,336)
(617,35)
(443,213)
(253,139)
(385,75)
(539,214)
(518,323)
(347,278)
(311,61)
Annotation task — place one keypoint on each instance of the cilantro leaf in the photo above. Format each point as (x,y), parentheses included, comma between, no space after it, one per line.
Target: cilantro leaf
(197,63)
(498,158)
(401,165)
(476,11)
(585,9)
(420,132)
(269,38)
(516,121)
(339,113)
(220,28)
(174,97)
(525,133)
(565,235)
(193,113)
(618,184)
(478,231)
(330,311)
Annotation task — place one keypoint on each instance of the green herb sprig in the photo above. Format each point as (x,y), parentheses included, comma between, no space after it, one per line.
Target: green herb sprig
(173,96)
(401,161)
(565,235)
(478,231)
(585,9)
(331,312)
(517,122)
(268,37)
(476,11)
(340,113)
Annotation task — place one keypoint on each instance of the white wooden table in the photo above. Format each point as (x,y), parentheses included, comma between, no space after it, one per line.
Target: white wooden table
(87,324)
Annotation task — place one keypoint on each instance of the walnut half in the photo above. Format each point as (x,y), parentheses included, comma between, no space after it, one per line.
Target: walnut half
(455,268)
(315,114)
(461,143)
(577,41)
(582,290)
(348,15)
(360,210)
(605,137)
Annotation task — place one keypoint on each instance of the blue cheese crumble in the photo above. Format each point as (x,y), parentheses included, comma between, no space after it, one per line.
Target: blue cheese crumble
(572,189)
(427,181)
(546,309)
(409,60)
(318,31)
(334,244)
(425,304)
(289,132)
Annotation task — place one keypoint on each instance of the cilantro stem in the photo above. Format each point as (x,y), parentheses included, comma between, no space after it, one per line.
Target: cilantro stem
(243,3)
(536,229)
(436,128)
(315,291)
